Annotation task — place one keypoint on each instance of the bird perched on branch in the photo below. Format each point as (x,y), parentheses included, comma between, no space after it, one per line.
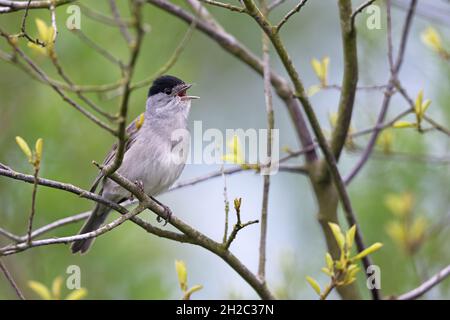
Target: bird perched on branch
(149,159)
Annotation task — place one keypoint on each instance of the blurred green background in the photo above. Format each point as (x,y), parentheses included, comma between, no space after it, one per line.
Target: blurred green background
(128,263)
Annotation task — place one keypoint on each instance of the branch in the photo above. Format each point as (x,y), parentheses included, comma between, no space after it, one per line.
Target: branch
(358,11)
(224,5)
(100,17)
(296,9)
(122,26)
(270,126)
(11,249)
(33,204)
(437,126)
(11,280)
(237,227)
(349,80)
(427,285)
(7,6)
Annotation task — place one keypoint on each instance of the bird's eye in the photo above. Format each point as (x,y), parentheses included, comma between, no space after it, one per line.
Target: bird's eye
(167,91)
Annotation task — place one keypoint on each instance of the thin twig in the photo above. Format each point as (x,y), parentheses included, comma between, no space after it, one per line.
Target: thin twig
(101,17)
(427,285)
(226,205)
(270,125)
(33,204)
(11,280)
(285,19)
(238,227)
(100,49)
(122,26)
(7,6)
(274,5)
(437,126)
(359,10)
(224,5)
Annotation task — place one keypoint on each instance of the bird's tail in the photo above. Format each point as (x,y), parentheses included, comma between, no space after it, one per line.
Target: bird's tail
(94,221)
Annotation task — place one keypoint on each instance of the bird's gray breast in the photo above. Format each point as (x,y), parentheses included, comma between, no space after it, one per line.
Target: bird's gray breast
(156,158)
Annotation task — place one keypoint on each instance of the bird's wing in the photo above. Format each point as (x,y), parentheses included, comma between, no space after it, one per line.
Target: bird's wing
(132,132)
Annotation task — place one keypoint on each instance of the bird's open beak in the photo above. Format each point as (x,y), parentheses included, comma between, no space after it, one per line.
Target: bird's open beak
(184,88)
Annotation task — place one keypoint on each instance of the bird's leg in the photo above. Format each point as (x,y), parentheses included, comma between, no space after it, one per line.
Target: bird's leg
(167,211)
(140,185)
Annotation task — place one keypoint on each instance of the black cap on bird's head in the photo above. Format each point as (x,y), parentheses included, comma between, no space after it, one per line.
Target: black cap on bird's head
(171,86)
(164,84)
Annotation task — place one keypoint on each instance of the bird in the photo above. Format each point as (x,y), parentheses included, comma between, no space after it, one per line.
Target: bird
(149,159)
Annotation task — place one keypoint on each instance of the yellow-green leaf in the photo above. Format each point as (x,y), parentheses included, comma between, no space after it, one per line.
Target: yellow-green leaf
(325,64)
(332,118)
(236,155)
(403,124)
(313,90)
(350,237)
(432,39)
(419,227)
(25,148)
(313,283)
(340,239)
(385,140)
(317,67)
(77,294)
(56,287)
(329,261)
(375,247)
(327,271)
(188,293)
(237,203)
(180,267)
(37,48)
(425,106)
(46,33)
(397,233)
(40,289)
(38,147)
(400,204)
(419,100)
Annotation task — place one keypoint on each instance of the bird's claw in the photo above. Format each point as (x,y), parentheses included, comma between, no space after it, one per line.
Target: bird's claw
(168,214)
(140,185)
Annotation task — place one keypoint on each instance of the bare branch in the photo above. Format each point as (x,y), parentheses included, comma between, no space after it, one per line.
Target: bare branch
(11,280)
(7,6)
(349,79)
(33,204)
(285,19)
(427,285)
(122,26)
(224,5)
(359,10)
(100,17)
(270,125)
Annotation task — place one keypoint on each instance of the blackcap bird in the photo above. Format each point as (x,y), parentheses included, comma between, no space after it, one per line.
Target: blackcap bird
(148,159)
